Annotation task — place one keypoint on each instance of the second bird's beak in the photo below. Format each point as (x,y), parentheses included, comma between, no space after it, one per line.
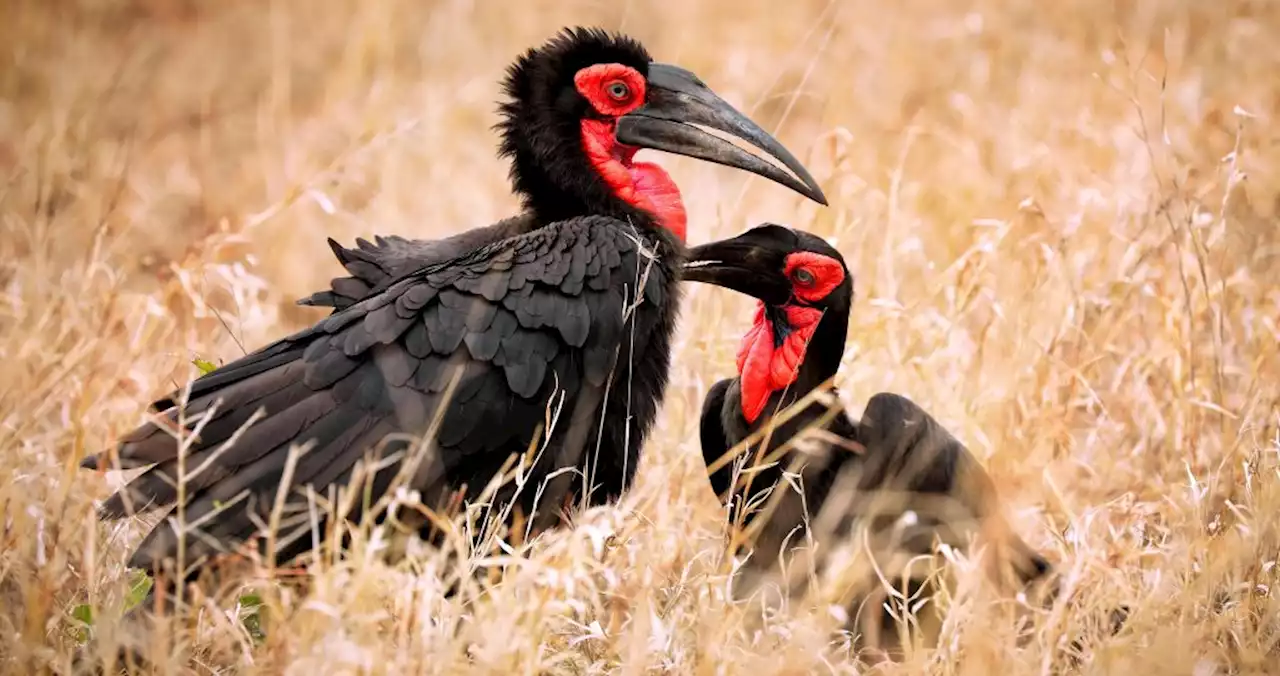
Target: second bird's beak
(677,100)
(750,263)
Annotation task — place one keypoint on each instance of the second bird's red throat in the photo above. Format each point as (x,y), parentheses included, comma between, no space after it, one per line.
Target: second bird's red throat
(767,364)
(643,185)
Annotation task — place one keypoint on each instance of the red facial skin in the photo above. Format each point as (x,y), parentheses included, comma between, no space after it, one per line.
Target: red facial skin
(764,369)
(615,90)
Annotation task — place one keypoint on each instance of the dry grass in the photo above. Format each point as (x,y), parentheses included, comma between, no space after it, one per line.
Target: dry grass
(1045,205)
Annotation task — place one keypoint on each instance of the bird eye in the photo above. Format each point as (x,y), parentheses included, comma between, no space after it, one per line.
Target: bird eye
(803,277)
(618,90)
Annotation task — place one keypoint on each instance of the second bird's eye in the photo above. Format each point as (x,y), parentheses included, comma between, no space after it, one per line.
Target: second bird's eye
(618,90)
(803,277)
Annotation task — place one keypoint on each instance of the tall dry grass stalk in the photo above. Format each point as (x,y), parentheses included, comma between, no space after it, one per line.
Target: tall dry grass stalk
(1062,218)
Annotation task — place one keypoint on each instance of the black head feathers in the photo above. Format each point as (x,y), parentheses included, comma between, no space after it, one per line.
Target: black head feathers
(540,129)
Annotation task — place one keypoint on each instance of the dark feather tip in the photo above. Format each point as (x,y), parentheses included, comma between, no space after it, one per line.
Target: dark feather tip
(319,299)
(338,250)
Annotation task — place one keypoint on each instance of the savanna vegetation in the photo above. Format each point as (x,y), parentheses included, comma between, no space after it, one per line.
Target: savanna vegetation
(1062,219)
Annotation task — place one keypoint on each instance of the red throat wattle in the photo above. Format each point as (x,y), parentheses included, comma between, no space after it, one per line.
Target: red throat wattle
(614,90)
(643,185)
(765,367)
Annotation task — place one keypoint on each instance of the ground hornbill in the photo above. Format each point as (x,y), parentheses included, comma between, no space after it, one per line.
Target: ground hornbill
(480,342)
(895,460)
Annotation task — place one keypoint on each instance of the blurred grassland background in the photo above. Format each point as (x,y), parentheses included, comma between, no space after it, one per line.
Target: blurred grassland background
(1062,219)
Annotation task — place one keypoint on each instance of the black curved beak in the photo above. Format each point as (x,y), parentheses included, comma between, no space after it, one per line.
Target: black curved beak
(677,100)
(751,263)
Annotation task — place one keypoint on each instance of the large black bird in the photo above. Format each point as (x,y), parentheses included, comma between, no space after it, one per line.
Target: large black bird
(547,129)
(896,458)
(499,341)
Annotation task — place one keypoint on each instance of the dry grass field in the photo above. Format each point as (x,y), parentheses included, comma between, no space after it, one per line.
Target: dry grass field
(1062,219)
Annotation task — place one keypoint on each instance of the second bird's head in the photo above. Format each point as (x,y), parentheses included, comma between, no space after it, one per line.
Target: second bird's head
(580,107)
(801,282)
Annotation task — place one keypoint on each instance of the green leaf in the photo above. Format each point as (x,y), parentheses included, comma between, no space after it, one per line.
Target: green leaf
(83,616)
(83,613)
(206,367)
(139,586)
(251,615)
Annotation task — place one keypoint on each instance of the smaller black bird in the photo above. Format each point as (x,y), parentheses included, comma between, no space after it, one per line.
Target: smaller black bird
(896,460)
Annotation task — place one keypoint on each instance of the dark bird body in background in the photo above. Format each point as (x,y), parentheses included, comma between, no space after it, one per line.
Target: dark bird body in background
(896,458)
(562,314)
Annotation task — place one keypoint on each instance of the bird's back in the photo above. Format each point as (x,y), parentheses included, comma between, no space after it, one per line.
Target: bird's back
(894,459)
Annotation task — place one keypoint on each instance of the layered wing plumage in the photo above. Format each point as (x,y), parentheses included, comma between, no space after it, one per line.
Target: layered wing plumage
(511,325)
(374,265)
